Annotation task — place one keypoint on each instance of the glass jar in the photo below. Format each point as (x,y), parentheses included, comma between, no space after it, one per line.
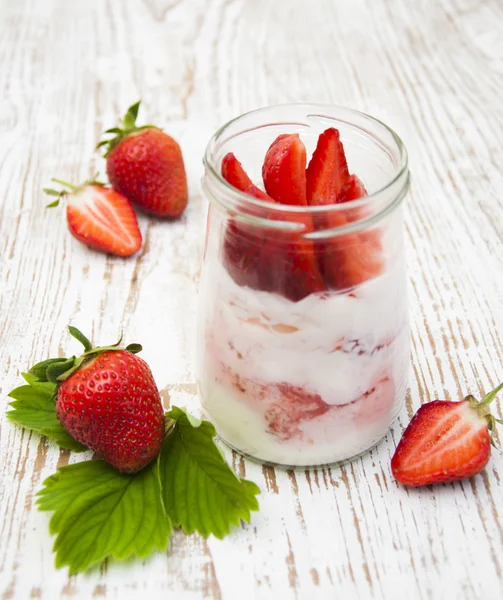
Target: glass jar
(303,346)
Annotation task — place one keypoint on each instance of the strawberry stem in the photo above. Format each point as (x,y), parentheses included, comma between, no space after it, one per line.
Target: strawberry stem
(65,183)
(488,398)
(126,127)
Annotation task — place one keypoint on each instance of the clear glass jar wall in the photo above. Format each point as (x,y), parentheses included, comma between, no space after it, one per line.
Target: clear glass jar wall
(303,346)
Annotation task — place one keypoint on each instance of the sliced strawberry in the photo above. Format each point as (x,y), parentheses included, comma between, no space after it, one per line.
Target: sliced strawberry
(351,259)
(359,255)
(233,173)
(242,254)
(445,441)
(103,219)
(284,170)
(292,270)
(243,244)
(327,171)
(352,189)
(274,261)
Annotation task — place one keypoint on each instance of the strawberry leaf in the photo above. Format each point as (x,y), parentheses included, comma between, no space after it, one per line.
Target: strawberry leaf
(56,369)
(134,348)
(100,513)
(34,407)
(39,371)
(200,491)
(78,335)
(131,115)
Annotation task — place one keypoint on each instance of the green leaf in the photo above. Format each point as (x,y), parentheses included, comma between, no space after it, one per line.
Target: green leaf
(34,407)
(130,117)
(56,369)
(78,335)
(39,371)
(51,192)
(100,513)
(200,491)
(134,348)
(29,378)
(53,204)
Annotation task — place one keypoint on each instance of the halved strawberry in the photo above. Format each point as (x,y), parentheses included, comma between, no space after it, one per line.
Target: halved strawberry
(347,260)
(445,441)
(100,217)
(284,170)
(273,260)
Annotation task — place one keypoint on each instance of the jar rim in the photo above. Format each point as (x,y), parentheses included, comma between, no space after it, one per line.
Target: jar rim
(314,110)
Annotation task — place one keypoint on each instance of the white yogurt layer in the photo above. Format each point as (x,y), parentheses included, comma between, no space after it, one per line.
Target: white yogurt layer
(337,346)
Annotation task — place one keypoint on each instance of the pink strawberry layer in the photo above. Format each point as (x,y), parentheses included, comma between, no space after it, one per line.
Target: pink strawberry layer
(294,412)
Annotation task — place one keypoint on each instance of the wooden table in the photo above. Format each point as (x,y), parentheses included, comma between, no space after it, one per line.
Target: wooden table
(430,69)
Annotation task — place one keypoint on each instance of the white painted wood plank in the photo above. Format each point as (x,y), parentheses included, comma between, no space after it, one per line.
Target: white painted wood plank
(434,72)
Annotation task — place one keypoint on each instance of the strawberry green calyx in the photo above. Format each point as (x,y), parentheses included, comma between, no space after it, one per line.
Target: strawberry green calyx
(56,370)
(482,406)
(127,127)
(68,188)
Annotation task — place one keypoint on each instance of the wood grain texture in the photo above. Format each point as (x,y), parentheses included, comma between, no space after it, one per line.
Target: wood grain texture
(433,70)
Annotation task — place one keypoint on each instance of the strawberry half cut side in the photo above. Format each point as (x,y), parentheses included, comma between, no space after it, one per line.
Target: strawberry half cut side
(445,441)
(100,218)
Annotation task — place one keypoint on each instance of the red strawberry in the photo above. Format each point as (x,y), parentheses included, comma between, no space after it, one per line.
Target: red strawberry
(445,441)
(350,259)
(272,260)
(293,270)
(243,244)
(284,170)
(352,189)
(108,400)
(100,217)
(290,268)
(327,171)
(233,173)
(146,165)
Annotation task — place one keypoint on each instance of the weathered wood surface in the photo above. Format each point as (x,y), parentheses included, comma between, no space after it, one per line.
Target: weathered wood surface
(431,69)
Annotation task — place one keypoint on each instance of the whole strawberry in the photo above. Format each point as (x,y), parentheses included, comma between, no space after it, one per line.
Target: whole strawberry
(445,441)
(107,400)
(146,165)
